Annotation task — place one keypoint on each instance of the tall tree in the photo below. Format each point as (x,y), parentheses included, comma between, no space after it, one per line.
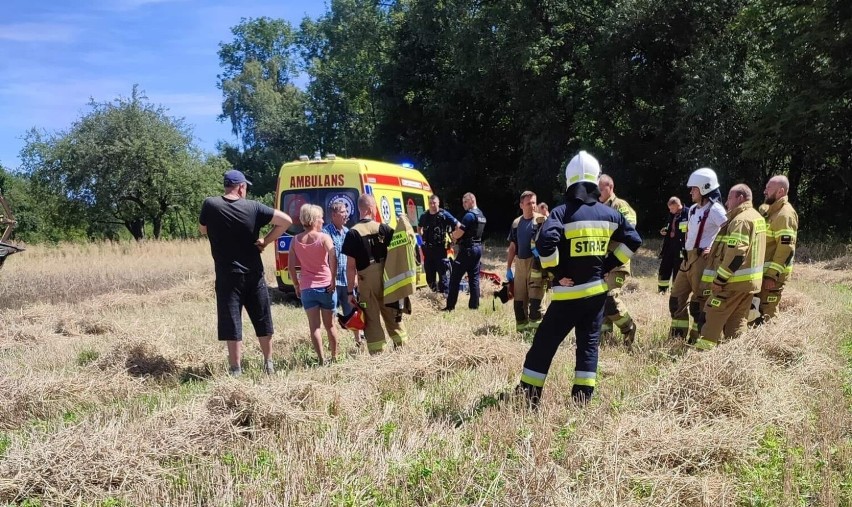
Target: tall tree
(126,162)
(267,111)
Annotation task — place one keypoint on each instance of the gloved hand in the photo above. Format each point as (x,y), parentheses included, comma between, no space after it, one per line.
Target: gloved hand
(509,275)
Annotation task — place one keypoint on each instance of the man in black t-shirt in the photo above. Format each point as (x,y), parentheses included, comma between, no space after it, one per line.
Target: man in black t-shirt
(233,223)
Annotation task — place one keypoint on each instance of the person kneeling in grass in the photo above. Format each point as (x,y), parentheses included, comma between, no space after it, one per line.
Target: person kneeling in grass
(313,251)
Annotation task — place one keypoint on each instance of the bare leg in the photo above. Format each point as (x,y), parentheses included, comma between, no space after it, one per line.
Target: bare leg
(234,353)
(316,334)
(265,347)
(328,323)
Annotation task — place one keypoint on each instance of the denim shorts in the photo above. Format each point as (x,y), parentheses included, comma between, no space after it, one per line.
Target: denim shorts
(311,298)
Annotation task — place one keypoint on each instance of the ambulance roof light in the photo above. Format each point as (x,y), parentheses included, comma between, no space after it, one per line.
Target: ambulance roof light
(330,156)
(303,158)
(407,165)
(317,155)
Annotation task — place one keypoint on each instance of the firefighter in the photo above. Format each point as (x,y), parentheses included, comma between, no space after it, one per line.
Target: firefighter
(573,244)
(735,270)
(706,217)
(366,246)
(615,312)
(674,235)
(782,226)
(436,225)
(468,235)
(529,288)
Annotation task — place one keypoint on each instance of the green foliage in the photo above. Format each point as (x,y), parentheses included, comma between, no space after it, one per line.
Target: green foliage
(125,163)
(87,356)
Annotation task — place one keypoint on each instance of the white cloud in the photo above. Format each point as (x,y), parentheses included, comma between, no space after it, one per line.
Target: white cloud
(38,32)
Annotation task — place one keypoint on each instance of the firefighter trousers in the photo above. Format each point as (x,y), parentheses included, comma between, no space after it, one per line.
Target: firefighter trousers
(371,300)
(615,311)
(669,264)
(583,315)
(769,300)
(529,291)
(725,315)
(687,282)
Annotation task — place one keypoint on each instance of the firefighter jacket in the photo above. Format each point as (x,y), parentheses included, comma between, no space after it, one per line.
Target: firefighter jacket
(736,259)
(622,207)
(677,223)
(782,225)
(574,243)
(400,273)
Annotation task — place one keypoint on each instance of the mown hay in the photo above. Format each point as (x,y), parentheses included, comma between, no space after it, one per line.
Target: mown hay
(138,359)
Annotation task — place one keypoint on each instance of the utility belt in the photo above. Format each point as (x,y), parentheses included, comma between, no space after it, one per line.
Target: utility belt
(470,244)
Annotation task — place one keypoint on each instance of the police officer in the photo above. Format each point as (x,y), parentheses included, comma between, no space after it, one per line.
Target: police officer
(468,235)
(573,244)
(706,217)
(436,225)
(674,235)
(366,246)
(783,226)
(735,270)
(529,287)
(615,311)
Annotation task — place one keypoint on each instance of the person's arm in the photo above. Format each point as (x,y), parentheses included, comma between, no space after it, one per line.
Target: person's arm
(202,219)
(460,228)
(351,280)
(737,241)
(280,222)
(332,260)
(291,268)
(784,228)
(629,242)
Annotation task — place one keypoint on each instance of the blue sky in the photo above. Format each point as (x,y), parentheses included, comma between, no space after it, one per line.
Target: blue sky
(56,54)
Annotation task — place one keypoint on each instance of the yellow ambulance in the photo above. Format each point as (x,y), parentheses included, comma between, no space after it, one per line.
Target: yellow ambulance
(397,189)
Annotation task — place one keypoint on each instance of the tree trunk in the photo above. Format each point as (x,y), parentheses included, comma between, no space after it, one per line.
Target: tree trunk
(797,161)
(136,228)
(157,222)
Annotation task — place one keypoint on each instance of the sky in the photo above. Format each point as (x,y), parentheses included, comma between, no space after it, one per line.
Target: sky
(57,54)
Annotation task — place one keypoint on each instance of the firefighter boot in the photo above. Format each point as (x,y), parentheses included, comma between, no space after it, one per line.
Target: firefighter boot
(521,320)
(582,395)
(535,314)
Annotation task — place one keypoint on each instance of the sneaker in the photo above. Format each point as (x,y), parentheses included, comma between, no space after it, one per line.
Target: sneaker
(268,367)
(235,371)
(447,309)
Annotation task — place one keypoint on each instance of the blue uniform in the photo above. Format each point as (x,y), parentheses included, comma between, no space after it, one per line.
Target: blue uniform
(436,228)
(573,243)
(468,258)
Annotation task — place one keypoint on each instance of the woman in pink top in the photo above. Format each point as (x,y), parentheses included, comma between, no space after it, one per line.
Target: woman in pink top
(313,251)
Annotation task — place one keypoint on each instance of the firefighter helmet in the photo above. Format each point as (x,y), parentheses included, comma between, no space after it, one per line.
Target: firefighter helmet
(583,167)
(705,179)
(354,321)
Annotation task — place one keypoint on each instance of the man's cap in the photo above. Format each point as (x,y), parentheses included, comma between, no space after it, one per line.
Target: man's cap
(234,177)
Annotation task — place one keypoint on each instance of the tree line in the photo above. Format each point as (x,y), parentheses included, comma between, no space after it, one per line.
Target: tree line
(494,97)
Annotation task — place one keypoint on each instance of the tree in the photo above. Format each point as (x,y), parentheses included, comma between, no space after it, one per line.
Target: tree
(125,163)
(266,109)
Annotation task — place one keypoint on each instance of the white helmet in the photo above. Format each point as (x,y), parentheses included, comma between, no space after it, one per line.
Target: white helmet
(583,167)
(705,179)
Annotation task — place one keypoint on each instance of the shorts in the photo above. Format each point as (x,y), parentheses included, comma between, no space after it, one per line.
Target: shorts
(235,291)
(343,300)
(312,298)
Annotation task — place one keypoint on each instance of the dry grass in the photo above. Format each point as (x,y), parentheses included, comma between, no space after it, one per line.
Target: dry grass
(114,388)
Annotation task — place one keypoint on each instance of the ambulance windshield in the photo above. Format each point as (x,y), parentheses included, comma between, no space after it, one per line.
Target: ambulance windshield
(293,200)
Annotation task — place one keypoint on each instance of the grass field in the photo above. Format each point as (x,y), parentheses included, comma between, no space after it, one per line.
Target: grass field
(113,391)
